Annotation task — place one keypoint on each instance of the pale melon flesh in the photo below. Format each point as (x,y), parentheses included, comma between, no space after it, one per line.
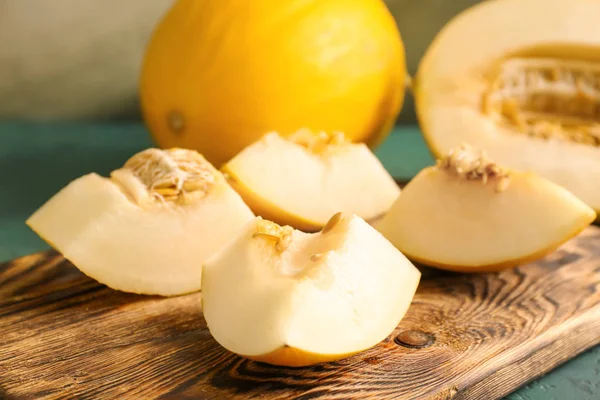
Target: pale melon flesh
(319,297)
(481,223)
(520,79)
(132,242)
(288,183)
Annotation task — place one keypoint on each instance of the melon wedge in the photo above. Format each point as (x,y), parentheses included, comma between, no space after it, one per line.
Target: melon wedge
(285,297)
(468,214)
(149,227)
(304,179)
(520,79)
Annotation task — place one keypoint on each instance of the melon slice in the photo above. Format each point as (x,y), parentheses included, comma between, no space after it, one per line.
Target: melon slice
(469,214)
(149,227)
(520,79)
(304,179)
(285,297)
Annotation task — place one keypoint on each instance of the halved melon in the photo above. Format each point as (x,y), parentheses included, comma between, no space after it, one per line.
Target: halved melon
(149,227)
(520,79)
(469,214)
(304,179)
(285,297)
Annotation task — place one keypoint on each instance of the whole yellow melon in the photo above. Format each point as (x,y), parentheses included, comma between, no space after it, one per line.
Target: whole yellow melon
(219,74)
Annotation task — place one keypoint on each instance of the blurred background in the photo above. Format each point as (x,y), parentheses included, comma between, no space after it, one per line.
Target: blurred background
(78,60)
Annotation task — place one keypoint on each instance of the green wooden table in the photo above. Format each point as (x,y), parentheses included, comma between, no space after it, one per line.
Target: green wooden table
(36,160)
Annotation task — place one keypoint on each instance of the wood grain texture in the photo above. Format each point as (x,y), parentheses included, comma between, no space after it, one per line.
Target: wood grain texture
(62,335)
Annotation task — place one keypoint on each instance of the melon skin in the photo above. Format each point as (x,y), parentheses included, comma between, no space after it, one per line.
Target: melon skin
(458,67)
(156,250)
(326,65)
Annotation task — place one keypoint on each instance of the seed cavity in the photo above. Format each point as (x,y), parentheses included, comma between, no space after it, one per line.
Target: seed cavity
(547,98)
(318,142)
(281,236)
(465,162)
(175,175)
(333,221)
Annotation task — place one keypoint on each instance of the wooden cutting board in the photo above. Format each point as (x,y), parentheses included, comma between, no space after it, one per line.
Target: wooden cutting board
(62,335)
